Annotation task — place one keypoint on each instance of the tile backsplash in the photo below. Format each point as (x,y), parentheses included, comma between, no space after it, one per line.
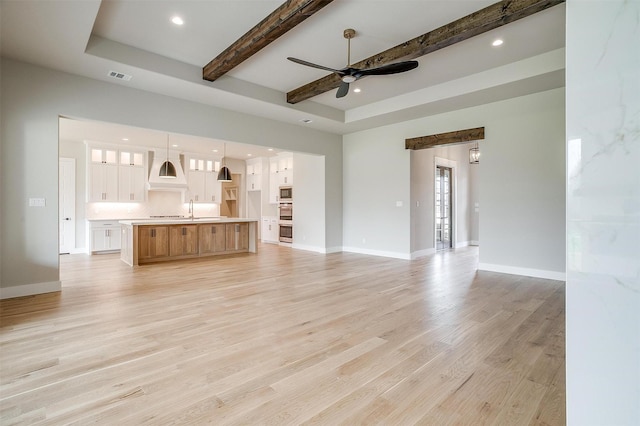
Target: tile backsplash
(159,203)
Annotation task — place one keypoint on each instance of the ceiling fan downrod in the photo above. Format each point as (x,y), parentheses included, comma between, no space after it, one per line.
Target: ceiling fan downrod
(349,33)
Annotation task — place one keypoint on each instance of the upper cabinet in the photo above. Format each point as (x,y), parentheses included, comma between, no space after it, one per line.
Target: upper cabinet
(116,175)
(254,174)
(202,179)
(285,169)
(280,174)
(131,176)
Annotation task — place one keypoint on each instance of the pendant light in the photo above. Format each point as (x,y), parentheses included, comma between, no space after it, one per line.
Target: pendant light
(224,175)
(168,170)
(474,154)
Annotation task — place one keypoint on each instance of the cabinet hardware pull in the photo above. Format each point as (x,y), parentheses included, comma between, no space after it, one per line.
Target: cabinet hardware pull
(213,229)
(184,231)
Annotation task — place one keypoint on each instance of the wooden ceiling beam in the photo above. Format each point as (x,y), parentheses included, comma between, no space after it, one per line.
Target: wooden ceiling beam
(449,138)
(487,19)
(281,20)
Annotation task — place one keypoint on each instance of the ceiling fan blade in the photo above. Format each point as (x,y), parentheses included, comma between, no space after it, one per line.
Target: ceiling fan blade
(388,69)
(342,90)
(310,64)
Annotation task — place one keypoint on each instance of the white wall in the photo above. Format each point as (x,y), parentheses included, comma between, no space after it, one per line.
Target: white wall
(32,100)
(521,178)
(603,213)
(522,187)
(308,202)
(376,176)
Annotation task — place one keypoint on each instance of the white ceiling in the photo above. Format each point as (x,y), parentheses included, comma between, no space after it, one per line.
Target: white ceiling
(91,38)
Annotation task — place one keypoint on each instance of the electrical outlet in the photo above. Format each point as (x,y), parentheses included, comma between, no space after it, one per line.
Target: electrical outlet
(398,203)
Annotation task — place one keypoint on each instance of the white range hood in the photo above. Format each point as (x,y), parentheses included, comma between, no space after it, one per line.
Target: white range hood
(156,183)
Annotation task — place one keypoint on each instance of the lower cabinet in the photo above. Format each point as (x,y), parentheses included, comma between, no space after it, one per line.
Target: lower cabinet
(237,236)
(183,240)
(153,242)
(105,236)
(212,238)
(270,229)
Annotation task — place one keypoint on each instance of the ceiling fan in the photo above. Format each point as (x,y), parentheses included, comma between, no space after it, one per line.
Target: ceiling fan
(349,74)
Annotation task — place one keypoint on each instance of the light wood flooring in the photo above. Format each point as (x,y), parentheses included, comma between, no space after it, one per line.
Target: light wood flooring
(285,337)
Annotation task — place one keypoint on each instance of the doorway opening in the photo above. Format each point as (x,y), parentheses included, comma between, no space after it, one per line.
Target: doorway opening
(443,208)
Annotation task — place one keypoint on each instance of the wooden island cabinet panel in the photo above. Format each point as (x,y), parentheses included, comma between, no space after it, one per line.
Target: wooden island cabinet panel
(153,242)
(237,236)
(212,238)
(170,241)
(183,240)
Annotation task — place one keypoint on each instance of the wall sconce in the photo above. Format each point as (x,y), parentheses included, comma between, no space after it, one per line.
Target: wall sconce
(474,154)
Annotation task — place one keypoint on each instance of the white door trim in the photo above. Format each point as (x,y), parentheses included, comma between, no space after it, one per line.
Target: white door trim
(67,198)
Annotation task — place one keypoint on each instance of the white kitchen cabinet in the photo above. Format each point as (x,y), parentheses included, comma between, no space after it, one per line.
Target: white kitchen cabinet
(254,174)
(131,184)
(104,182)
(285,177)
(195,180)
(116,175)
(132,158)
(274,185)
(105,236)
(270,232)
(280,174)
(212,188)
(104,155)
(202,178)
(285,169)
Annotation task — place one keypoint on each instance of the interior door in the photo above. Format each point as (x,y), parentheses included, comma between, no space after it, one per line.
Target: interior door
(67,204)
(443,208)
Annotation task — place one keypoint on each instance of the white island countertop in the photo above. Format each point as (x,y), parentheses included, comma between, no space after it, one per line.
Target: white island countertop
(186,220)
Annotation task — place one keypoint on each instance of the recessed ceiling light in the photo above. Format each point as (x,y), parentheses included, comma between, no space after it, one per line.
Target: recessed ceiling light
(214,150)
(497,42)
(249,155)
(125,139)
(175,145)
(357,90)
(306,120)
(177,20)
(269,149)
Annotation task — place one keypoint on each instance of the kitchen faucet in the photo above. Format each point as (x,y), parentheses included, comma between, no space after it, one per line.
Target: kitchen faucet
(191,208)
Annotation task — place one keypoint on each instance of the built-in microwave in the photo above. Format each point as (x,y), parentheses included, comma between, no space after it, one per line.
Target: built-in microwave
(286,194)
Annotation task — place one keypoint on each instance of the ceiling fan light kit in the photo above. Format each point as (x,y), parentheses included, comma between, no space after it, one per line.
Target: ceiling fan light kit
(349,75)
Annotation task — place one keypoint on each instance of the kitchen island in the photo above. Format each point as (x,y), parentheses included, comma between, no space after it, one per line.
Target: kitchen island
(159,240)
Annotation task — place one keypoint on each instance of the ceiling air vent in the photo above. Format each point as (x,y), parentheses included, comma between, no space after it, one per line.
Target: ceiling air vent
(119,75)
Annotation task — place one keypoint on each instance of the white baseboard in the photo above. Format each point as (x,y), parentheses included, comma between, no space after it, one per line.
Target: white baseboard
(474,243)
(422,253)
(381,253)
(527,272)
(461,244)
(78,251)
(309,248)
(30,289)
(333,249)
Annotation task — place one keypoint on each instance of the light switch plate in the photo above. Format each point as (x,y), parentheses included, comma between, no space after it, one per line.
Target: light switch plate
(398,203)
(37,202)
